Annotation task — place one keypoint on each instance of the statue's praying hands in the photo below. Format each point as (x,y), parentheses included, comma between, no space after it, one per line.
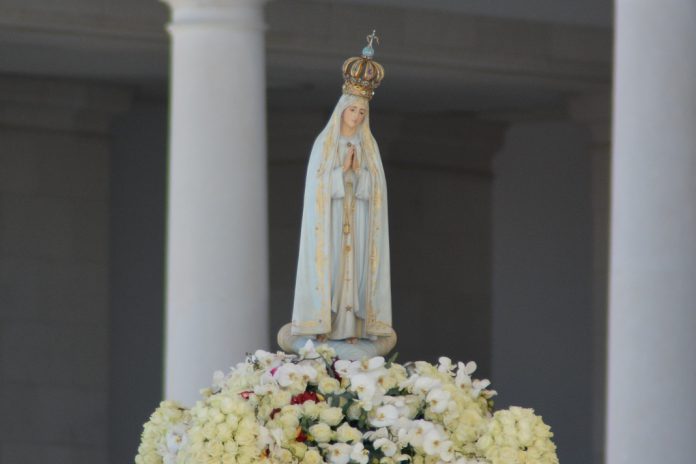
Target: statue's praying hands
(351,161)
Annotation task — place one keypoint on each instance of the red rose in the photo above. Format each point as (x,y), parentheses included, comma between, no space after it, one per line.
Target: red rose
(301,436)
(304,396)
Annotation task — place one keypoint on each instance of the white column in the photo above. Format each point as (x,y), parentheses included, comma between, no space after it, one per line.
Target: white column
(652,303)
(217,250)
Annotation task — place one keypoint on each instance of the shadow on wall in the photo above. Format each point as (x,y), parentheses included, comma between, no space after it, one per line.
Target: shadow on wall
(138,188)
(542,271)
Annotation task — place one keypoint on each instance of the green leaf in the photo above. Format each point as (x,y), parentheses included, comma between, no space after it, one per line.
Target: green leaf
(391,359)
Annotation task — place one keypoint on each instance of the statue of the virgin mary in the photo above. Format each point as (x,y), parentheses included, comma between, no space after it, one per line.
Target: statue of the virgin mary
(343,290)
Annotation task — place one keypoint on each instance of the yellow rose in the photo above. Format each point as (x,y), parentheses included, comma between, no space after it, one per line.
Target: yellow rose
(288,421)
(505,455)
(224,432)
(312,456)
(197,448)
(280,399)
(329,385)
(209,430)
(227,405)
(231,447)
(484,443)
(331,416)
(310,410)
(247,454)
(294,409)
(202,414)
(347,434)
(214,448)
(354,411)
(283,456)
(232,421)
(321,433)
(387,382)
(246,433)
(195,434)
(297,449)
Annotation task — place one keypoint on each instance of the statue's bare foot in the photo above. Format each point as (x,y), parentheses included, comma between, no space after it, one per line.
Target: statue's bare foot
(352,340)
(321,338)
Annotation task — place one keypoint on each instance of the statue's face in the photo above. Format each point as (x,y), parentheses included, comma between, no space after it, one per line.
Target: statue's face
(354,115)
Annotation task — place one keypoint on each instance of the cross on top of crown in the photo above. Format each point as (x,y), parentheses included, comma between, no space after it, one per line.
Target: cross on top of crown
(372,37)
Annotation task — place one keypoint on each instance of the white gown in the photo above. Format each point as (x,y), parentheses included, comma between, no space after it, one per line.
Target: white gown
(350,192)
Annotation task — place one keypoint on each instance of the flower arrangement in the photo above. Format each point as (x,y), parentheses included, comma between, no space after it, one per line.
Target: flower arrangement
(315,408)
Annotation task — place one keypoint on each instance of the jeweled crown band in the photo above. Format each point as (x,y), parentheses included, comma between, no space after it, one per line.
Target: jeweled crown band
(361,74)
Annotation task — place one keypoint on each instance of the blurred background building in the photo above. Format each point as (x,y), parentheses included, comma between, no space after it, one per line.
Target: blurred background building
(494,126)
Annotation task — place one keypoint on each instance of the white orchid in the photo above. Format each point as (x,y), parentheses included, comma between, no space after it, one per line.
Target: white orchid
(174,441)
(308,351)
(387,446)
(479,385)
(338,453)
(423,385)
(366,387)
(435,443)
(359,454)
(445,364)
(416,434)
(438,399)
(267,360)
(267,438)
(464,372)
(373,435)
(384,416)
(295,375)
(447,450)
(373,367)
(286,374)
(401,404)
(218,381)
(326,352)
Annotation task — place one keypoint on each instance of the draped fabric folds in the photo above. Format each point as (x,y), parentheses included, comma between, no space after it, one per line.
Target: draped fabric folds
(319,291)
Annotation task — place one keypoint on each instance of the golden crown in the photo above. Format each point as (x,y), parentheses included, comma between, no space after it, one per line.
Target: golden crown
(361,74)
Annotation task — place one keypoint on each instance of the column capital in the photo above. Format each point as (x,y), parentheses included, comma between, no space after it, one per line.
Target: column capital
(213,3)
(246,14)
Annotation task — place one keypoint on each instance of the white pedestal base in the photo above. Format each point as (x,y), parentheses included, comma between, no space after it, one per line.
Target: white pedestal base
(361,349)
